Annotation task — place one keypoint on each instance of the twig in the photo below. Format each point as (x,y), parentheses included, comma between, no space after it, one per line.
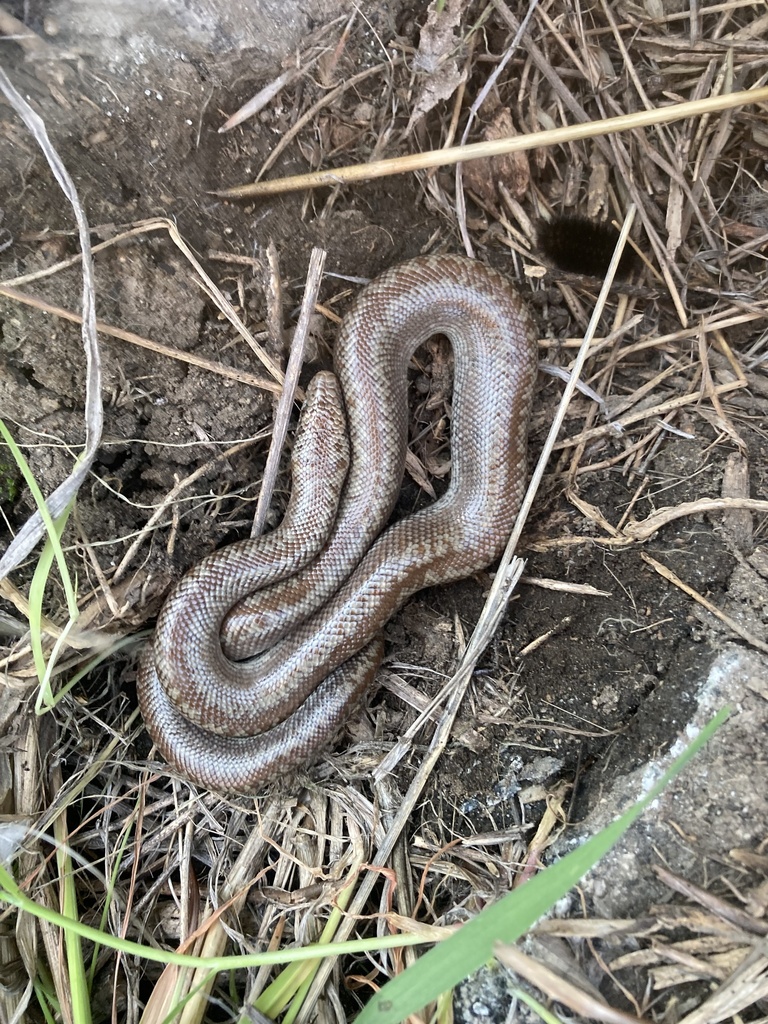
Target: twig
(285,404)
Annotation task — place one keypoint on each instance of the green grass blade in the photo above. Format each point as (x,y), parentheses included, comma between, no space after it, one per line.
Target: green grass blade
(53,533)
(78,982)
(538,1008)
(52,550)
(292,984)
(12,894)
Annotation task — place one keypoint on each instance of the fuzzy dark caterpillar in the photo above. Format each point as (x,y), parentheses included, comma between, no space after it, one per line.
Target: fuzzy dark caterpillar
(582,246)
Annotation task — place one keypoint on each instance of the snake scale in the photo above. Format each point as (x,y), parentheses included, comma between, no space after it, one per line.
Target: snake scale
(263,649)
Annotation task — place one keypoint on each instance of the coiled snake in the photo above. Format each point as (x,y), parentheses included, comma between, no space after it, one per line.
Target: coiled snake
(264,648)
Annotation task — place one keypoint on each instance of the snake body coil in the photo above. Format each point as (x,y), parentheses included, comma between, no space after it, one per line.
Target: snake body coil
(262,650)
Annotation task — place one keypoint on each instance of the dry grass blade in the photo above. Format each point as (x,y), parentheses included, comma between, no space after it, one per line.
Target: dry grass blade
(571,386)
(484,150)
(329,98)
(171,498)
(266,95)
(561,990)
(211,937)
(205,282)
(747,986)
(31,532)
(220,369)
(456,690)
(727,620)
(641,530)
(678,945)
(726,911)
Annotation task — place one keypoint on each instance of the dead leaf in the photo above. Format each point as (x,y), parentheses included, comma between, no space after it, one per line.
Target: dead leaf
(512,169)
(437,58)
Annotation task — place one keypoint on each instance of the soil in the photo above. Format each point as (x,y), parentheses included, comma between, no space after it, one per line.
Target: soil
(586,687)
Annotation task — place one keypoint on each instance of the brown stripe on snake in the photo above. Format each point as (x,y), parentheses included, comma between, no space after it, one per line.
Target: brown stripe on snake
(262,651)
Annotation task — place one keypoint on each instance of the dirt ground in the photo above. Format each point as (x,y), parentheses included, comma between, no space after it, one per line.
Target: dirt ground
(579,686)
